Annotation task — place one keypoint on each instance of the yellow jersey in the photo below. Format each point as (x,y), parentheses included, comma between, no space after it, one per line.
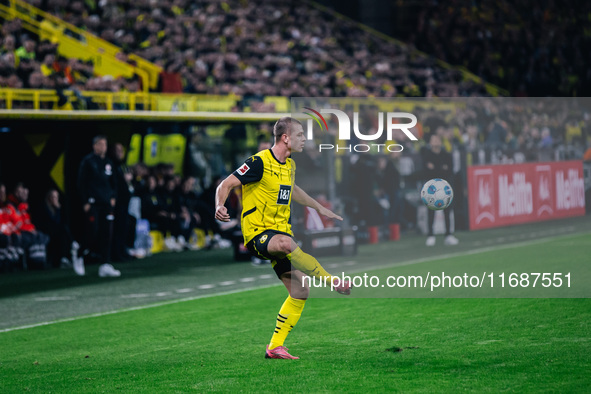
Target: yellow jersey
(267,185)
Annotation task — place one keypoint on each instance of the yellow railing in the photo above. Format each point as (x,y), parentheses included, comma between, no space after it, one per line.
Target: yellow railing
(77,43)
(38,99)
(46,99)
(49,99)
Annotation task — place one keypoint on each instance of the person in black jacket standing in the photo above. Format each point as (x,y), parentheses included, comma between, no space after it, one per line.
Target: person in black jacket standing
(437,163)
(97,186)
(124,224)
(62,246)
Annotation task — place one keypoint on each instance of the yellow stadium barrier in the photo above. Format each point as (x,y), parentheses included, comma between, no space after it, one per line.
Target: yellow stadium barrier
(38,99)
(48,99)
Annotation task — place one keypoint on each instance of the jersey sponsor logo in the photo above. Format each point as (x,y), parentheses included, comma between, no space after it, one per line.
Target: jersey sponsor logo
(283,195)
(243,169)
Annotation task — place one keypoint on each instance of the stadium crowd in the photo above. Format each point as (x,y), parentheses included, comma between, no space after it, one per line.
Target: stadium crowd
(220,47)
(531,48)
(255,50)
(252,49)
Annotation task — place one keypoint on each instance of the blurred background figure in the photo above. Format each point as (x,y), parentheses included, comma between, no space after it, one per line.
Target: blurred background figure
(97,186)
(62,249)
(33,242)
(9,245)
(389,183)
(124,224)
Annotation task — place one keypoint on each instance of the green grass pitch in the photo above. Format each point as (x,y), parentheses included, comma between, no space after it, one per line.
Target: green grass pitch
(345,344)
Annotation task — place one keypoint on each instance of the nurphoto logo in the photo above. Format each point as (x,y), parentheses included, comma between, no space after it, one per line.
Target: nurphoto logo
(392,126)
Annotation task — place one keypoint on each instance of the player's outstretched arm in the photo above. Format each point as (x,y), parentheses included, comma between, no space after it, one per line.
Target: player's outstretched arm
(221,194)
(301,197)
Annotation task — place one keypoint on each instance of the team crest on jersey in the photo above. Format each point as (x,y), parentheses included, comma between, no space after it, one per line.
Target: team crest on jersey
(263,238)
(243,169)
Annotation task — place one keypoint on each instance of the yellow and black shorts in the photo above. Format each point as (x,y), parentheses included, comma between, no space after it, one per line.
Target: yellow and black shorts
(258,248)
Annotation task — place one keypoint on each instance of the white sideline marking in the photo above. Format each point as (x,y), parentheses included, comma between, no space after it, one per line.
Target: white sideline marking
(244,280)
(64,298)
(163,293)
(266,276)
(171,302)
(228,283)
(136,308)
(184,290)
(141,295)
(468,252)
(333,265)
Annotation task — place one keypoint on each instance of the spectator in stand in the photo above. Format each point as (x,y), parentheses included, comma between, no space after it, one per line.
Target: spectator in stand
(8,67)
(8,44)
(47,65)
(14,82)
(188,197)
(26,51)
(157,208)
(150,200)
(63,69)
(140,172)
(97,186)
(169,211)
(46,47)
(62,250)
(25,68)
(33,242)
(35,80)
(170,78)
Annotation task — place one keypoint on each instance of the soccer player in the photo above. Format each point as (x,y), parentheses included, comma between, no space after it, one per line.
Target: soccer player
(268,186)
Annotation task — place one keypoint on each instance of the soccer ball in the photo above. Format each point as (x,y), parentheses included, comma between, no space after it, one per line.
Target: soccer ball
(437,194)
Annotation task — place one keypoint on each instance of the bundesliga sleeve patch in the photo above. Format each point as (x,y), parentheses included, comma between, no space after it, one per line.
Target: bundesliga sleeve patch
(250,171)
(243,169)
